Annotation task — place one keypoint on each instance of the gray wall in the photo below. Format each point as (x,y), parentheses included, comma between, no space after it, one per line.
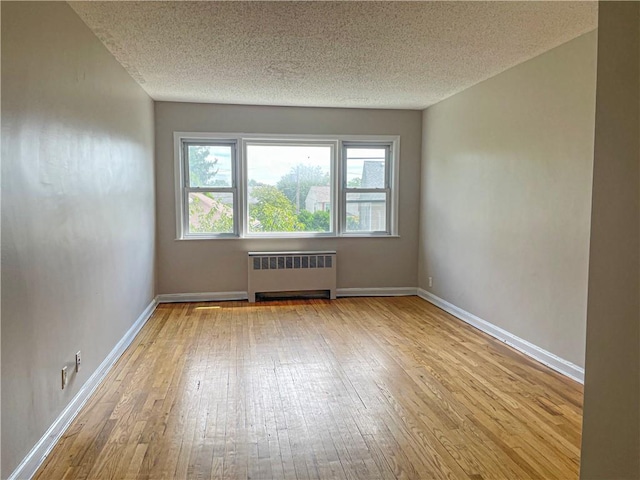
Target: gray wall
(77,212)
(611,420)
(505,202)
(191,266)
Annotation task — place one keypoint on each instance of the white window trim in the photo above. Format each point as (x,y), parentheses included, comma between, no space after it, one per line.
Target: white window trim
(181,175)
(337,187)
(387,190)
(281,140)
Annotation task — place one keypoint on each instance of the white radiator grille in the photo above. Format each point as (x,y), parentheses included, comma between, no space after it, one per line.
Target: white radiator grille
(279,262)
(291,271)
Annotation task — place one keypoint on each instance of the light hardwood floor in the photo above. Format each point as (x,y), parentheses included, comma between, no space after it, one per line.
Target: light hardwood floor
(364,388)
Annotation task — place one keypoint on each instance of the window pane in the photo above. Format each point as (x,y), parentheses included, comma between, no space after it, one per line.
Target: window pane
(289,188)
(210,212)
(366,167)
(210,165)
(366,212)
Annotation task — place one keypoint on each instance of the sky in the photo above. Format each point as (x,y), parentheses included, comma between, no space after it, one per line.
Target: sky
(268,163)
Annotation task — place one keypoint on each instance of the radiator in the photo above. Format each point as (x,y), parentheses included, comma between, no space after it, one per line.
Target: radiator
(291,272)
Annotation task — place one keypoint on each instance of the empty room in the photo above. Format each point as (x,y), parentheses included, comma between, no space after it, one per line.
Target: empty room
(320,240)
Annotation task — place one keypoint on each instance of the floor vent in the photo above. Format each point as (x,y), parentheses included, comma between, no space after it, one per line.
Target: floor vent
(291,272)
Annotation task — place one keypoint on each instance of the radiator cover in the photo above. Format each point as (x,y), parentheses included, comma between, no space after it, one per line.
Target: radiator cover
(291,272)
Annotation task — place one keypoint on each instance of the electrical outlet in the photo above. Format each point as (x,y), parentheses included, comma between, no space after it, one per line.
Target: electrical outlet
(431,281)
(78,360)
(64,377)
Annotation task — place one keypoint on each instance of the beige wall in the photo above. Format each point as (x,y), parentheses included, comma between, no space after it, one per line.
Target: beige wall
(191,266)
(77,212)
(611,421)
(505,203)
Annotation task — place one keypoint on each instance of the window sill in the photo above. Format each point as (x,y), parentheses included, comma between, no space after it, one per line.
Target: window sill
(289,237)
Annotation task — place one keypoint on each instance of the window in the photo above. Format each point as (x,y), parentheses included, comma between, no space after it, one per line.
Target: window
(285,186)
(209,193)
(289,187)
(367,191)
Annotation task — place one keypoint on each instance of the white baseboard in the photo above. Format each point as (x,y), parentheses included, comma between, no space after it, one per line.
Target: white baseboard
(39,452)
(224,296)
(549,359)
(376,292)
(201,297)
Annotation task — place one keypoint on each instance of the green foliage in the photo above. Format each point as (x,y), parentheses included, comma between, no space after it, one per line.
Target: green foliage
(315,222)
(273,211)
(216,220)
(354,182)
(297,183)
(202,167)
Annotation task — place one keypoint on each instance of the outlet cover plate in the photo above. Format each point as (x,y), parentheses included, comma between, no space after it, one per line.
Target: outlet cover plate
(78,360)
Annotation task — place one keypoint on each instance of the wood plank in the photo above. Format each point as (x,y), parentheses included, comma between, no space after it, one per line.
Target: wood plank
(355,388)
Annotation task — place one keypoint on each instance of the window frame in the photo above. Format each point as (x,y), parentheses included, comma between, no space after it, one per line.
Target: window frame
(246,142)
(183,187)
(387,190)
(338,143)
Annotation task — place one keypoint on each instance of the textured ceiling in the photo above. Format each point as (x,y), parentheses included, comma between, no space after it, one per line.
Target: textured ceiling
(338,54)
